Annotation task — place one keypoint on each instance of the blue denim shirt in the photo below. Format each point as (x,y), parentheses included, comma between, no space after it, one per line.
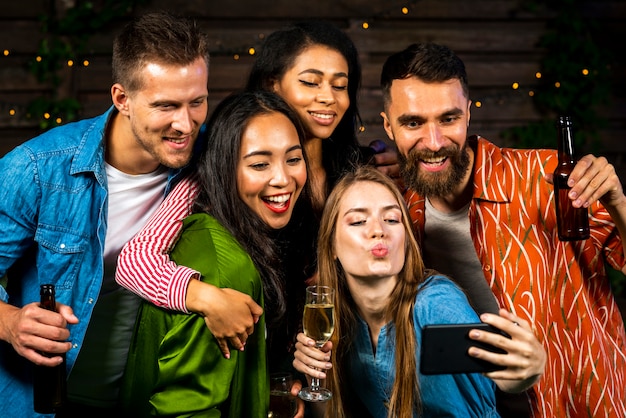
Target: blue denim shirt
(53,222)
(439,301)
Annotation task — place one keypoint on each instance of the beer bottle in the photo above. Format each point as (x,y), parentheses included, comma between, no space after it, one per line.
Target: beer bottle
(572,223)
(49,382)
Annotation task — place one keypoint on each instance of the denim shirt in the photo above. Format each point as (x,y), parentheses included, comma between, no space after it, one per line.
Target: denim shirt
(53,221)
(439,301)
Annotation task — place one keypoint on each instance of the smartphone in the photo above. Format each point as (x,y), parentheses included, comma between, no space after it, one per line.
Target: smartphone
(444,349)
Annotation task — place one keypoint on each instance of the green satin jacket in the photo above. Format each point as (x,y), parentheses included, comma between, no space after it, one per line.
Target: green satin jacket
(175,367)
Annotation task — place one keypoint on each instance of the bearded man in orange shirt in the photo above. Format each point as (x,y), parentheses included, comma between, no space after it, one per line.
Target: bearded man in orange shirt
(486,216)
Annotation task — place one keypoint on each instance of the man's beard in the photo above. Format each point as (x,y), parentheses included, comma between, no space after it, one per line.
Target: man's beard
(437,184)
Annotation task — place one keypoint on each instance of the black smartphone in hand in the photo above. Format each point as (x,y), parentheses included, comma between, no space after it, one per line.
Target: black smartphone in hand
(444,349)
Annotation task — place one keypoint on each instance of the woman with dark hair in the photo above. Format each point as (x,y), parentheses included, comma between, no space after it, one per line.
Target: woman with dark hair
(251,174)
(315,67)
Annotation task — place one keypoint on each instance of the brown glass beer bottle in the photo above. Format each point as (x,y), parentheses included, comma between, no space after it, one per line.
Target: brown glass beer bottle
(572,223)
(49,382)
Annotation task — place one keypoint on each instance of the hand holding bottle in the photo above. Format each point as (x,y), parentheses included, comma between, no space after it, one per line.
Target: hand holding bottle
(594,178)
(32,330)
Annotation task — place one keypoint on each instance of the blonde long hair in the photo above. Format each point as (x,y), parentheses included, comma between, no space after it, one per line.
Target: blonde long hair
(405,398)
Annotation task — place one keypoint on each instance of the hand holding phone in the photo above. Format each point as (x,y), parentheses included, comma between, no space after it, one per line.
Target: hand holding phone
(445,348)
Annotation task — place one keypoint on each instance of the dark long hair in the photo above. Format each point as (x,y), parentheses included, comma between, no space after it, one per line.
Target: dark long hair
(218,194)
(279,53)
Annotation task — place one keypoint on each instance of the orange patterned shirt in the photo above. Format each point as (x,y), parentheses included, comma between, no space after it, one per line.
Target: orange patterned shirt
(560,287)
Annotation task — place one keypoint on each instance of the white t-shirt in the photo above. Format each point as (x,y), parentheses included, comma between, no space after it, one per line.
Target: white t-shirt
(448,248)
(97,374)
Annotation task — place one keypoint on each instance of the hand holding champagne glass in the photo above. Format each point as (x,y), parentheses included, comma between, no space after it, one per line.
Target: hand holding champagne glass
(318,322)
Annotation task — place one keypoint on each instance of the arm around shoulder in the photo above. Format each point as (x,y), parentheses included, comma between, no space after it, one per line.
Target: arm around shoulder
(144,266)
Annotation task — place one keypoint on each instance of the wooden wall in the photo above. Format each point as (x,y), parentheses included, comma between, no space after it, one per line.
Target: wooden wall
(496,39)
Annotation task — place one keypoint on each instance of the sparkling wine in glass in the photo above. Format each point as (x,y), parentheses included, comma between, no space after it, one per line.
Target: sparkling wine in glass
(318,322)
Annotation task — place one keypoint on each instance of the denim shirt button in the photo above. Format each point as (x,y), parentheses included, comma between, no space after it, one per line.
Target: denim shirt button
(90,301)
(74,345)
(62,245)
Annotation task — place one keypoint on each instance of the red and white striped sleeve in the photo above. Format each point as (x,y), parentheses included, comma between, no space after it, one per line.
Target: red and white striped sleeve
(144,266)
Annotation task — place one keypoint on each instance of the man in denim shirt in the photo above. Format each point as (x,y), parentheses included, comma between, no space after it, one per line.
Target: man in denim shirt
(73,196)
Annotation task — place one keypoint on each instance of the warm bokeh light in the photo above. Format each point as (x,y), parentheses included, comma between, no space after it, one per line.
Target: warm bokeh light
(38,59)
(537,74)
(6,52)
(12,112)
(236,57)
(478,103)
(405,10)
(531,93)
(365,25)
(251,51)
(585,71)
(361,128)
(515,86)
(86,63)
(58,121)
(46,115)
(557,84)
(70,63)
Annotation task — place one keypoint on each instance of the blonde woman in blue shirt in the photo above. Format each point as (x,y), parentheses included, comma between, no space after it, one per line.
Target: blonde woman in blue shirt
(384,297)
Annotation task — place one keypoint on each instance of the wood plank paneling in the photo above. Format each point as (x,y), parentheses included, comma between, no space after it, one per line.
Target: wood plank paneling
(496,38)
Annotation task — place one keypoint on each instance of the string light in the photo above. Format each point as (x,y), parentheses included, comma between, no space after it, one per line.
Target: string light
(364,24)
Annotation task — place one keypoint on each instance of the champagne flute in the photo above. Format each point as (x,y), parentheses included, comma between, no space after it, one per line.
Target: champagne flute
(318,322)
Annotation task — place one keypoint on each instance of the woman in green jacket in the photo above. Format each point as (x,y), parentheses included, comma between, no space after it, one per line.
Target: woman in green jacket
(251,174)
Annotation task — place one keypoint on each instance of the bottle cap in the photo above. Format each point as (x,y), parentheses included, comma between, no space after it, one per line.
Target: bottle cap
(46,289)
(565,120)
